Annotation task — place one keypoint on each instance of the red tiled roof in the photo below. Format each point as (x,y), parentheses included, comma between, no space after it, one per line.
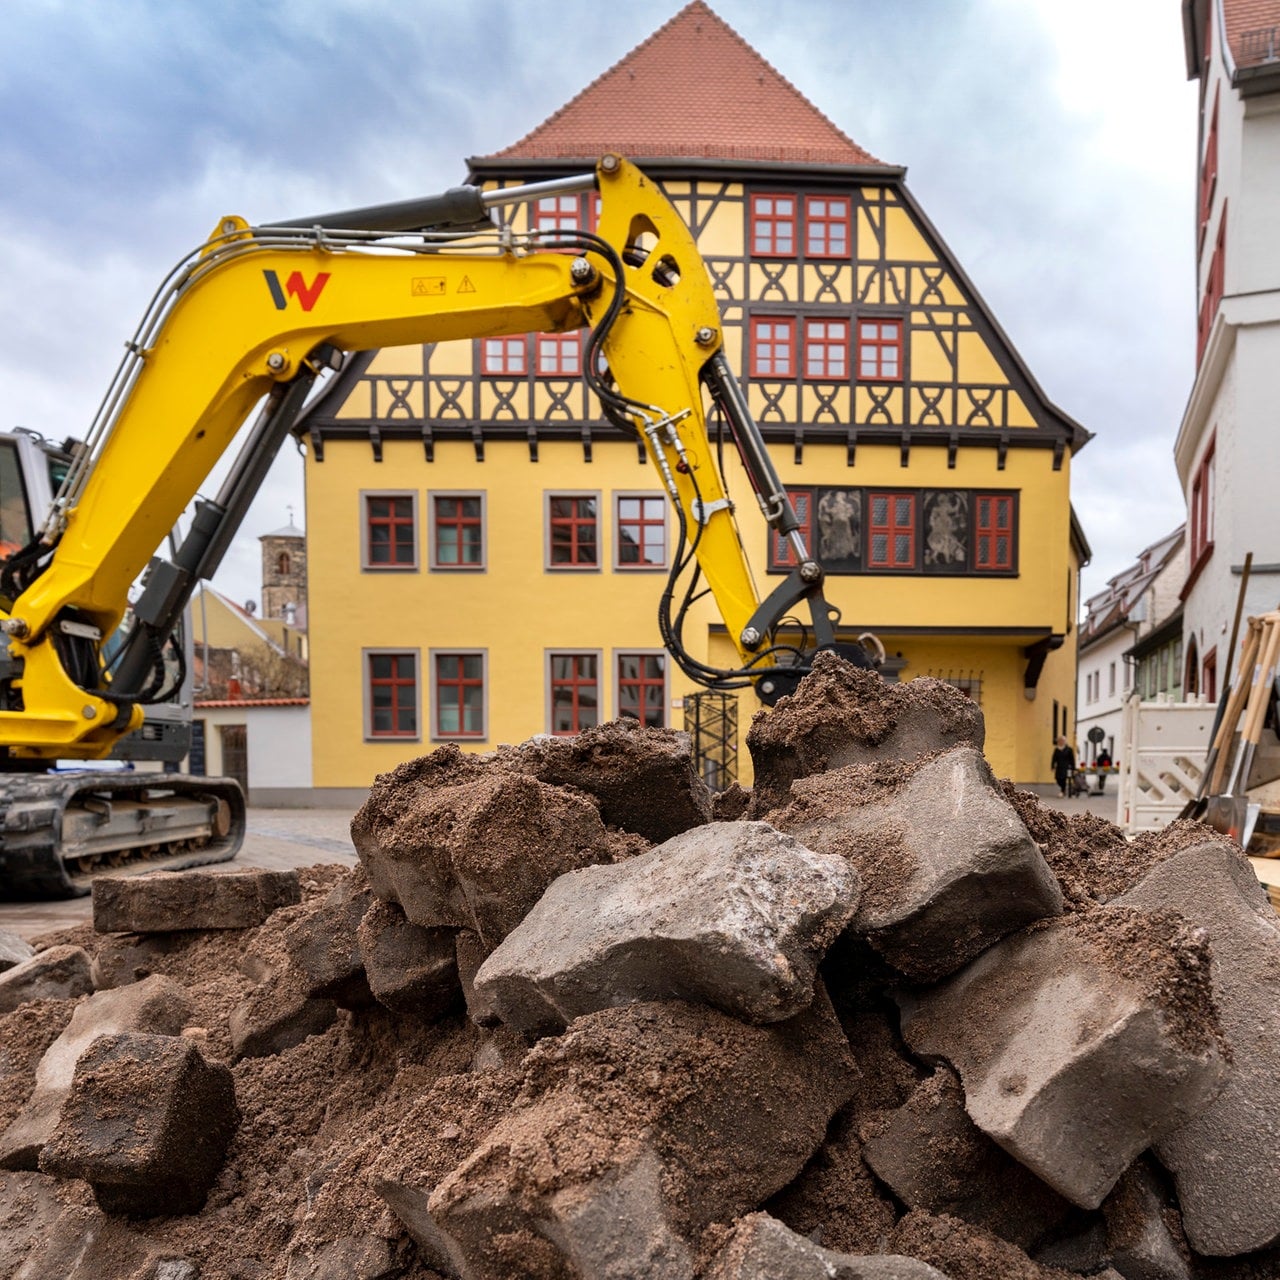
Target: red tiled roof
(255,702)
(695,88)
(1253,31)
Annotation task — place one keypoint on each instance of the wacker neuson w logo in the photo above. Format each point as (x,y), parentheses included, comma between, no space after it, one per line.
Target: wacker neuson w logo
(296,287)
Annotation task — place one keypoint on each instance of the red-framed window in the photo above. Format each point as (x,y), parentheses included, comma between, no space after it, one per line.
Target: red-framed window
(458,695)
(392,694)
(773,226)
(640,540)
(826,350)
(642,687)
(573,531)
(1209,168)
(993,531)
(558,355)
(574,691)
(390,533)
(504,357)
(880,350)
(576,212)
(891,530)
(457,531)
(827,223)
(781,553)
(773,346)
(1202,504)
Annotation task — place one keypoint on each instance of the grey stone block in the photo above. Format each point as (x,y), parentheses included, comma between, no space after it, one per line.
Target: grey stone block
(1140,1243)
(732,915)
(842,715)
(60,973)
(761,1248)
(323,944)
(473,854)
(410,969)
(1223,1157)
(470,953)
(278,1014)
(631,1133)
(1080,1042)
(643,779)
(932,1156)
(155,1005)
(169,901)
(13,949)
(947,866)
(147,1124)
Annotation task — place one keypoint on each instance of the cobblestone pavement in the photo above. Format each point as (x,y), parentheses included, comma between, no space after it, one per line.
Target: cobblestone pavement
(274,838)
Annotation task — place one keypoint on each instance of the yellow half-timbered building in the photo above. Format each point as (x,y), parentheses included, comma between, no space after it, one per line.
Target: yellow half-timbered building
(487,553)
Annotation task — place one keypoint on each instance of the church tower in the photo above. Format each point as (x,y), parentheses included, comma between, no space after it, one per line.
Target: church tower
(284,575)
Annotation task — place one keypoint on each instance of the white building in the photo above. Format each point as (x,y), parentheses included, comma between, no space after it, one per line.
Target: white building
(1137,604)
(1228,444)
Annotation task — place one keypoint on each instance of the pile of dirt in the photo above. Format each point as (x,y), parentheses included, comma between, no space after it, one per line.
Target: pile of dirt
(909,1114)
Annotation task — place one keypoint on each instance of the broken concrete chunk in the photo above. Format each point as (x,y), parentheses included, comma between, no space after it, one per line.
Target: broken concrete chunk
(932,1156)
(60,973)
(947,866)
(475,854)
(13,949)
(643,779)
(156,1005)
(1080,1042)
(29,1207)
(1140,1242)
(410,969)
(632,1132)
(147,1124)
(1223,1157)
(842,715)
(470,954)
(166,901)
(761,1248)
(323,944)
(732,915)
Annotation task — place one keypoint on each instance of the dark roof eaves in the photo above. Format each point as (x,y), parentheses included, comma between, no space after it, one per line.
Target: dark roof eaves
(683,166)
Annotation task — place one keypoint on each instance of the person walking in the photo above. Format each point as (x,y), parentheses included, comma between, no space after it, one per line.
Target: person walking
(1103,761)
(1064,764)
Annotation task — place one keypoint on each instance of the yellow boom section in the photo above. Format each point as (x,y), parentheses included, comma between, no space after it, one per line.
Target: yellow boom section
(248,312)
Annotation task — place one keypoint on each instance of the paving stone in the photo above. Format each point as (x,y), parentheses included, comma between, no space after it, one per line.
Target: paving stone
(147,1124)
(1140,1244)
(630,1134)
(643,779)
(1223,1157)
(761,1248)
(932,1156)
(1080,1042)
(472,854)
(732,915)
(278,1014)
(842,715)
(947,866)
(58,973)
(323,944)
(470,953)
(13,949)
(365,1257)
(29,1207)
(168,901)
(410,969)
(156,1005)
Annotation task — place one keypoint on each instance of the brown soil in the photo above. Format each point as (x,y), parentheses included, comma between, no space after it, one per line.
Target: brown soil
(964,1252)
(24,1036)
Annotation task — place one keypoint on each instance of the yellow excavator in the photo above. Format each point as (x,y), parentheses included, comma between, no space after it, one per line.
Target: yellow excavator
(249,322)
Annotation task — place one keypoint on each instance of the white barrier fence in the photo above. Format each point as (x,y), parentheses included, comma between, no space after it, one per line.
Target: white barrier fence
(1161,768)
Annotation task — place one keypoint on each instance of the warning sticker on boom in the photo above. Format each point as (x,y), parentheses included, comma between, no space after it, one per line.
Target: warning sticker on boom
(428,286)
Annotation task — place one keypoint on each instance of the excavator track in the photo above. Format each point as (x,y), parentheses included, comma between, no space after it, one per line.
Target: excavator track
(57,831)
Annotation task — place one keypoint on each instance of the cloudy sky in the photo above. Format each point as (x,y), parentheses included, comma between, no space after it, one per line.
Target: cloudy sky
(1052,143)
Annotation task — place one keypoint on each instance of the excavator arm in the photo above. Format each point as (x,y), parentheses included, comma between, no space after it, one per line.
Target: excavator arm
(258,313)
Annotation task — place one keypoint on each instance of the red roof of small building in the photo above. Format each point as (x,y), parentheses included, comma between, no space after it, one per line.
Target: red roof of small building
(697,89)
